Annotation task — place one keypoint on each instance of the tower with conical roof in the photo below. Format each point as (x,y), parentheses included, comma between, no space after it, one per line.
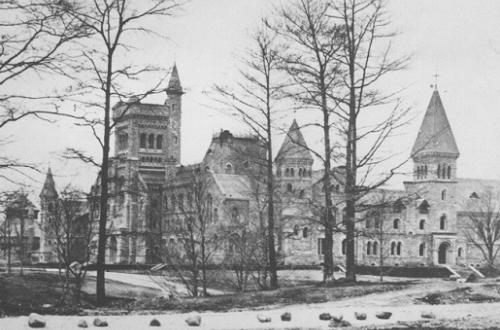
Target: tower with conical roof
(174,103)
(48,200)
(435,150)
(294,164)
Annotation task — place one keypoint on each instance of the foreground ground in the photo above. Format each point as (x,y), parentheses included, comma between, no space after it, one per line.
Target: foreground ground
(455,305)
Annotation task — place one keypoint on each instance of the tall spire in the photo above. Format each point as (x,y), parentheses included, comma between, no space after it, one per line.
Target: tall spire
(435,136)
(49,187)
(174,84)
(294,145)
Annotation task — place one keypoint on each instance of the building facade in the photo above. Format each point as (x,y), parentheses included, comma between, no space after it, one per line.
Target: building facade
(152,196)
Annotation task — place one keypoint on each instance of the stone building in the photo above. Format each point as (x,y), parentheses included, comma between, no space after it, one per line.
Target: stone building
(152,198)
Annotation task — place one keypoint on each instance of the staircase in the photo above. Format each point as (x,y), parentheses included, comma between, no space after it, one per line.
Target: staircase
(463,271)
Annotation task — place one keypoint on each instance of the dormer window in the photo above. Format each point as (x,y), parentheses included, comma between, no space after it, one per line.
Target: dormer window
(474,196)
(423,208)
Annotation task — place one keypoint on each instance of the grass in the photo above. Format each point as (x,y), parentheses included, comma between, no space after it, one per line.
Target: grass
(307,294)
(469,294)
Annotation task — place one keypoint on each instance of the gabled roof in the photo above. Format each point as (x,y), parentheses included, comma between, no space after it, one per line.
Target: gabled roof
(49,186)
(233,186)
(435,134)
(137,108)
(294,146)
(174,85)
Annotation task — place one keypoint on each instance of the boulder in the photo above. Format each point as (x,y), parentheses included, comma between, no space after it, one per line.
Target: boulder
(100,323)
(383,315)
(286,316)
(193,320)
(472,278)
(339,324)
(427,315)
(36,321)
(461,280)
(154,323)
(360,316)
(263,318)
(82,324)
(454,277)
(325,316)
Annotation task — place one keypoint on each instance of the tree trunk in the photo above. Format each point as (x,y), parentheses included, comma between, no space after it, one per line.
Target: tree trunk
(101,249)
(270,204)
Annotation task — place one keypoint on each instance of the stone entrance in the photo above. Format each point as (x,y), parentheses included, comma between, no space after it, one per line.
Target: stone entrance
(442,252)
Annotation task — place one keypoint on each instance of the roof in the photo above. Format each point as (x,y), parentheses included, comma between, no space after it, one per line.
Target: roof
(138,108)
(483,189)
(294,146)
(234,186)
(435,134)
(49,186)
(174,84)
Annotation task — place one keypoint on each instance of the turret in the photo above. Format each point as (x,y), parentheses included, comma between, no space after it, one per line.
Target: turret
(174,103)
(435,151)
(49,191)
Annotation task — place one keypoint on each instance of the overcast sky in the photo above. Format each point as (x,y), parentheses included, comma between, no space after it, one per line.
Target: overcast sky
(459,40)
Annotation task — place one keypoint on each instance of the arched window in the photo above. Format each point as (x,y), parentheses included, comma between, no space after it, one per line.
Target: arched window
(421,224)
(368,248)
(235,215)
(419,174)
(300,172)
(229,167)
(395,224)
(421,249)
(368,223)
(393,248)
(296,230)
(151,141)
(443,171)
(375,248)
(292,172)
(173,202)
(439,171)
(289,187)
(305,232)
(460,252)
(159,141)
(398,250)
(443,194)
(143,141)
(425,171)
(287,172)
(449,172)
(442,222)
(301,193)
(344,246)
(180,202)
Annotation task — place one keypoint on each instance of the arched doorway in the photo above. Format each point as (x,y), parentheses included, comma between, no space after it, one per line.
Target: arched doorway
(442,252)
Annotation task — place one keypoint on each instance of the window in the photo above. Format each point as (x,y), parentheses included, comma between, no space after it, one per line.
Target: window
(424,207)
(151,141)
(123,141)
(143,141)
(421,249)
(159,141)
(368,223)
(443,194)
(368,248)
(344,246)
(449,172)
(474,195)
(442,222)
(301,193)
(165,202)
(287,172)
(439,171)
(300,172)
(292,172)
(172,200)
(296,230)
(443,171)
(305,232)
(421,224)
(395,224)
(229,167)
(190,200)
(393,248)
(321,246)
(235,215)
(278,172)
(36,243)
(398,250)
(180,202)
(375,248)
(460,252)
(289,187)
(216,214)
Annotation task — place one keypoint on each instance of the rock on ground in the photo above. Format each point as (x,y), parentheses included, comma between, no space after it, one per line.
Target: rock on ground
(82,324)
(383,315)
(325,316)
(263,318)
(360,316)
(100,323)
(154,323)
(286,316)
(193,320)
(36,321)
(428,315)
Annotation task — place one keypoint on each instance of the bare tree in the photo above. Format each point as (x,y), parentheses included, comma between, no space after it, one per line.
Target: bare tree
(192,222)
(482,227)
(254,101)
(72,227)
(366,58)
(35,44)
(111,22)
(312,44)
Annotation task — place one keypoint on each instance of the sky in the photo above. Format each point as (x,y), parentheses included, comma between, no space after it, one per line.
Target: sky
(459,40)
